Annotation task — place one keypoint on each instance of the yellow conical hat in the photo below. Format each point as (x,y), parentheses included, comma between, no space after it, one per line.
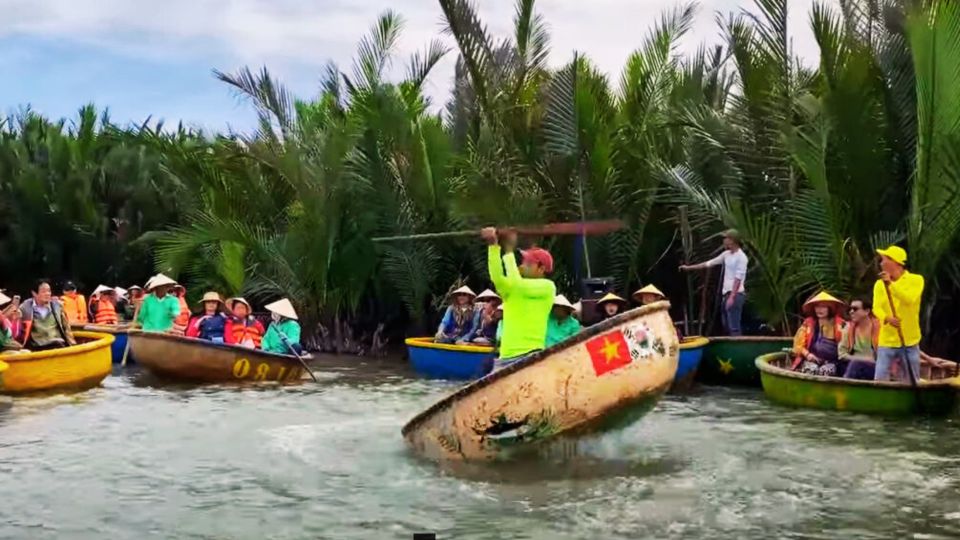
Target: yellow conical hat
(822,297)
(610,297)
(649,289)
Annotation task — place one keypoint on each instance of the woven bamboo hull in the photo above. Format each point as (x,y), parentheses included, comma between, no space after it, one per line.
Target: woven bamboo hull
(781,385)
(72,368)
(194,360)
(568,388)
(691,352)
(730,361)
(454,362)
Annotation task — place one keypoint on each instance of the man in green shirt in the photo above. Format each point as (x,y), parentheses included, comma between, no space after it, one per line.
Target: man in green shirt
(159,309)
(527,294)
(562,324)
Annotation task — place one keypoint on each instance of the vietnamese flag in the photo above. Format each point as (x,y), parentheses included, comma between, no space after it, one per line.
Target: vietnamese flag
(608,352)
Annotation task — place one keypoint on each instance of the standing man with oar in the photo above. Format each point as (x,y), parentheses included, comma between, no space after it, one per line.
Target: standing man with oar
(896,303)
(527,294)
(735,263)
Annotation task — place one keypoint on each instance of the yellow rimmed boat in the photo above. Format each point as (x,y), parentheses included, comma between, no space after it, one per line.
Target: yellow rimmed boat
(80,367)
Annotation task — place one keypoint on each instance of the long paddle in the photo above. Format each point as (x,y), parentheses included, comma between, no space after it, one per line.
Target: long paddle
(126,349)
(903,349)
(293,351)
(586,228)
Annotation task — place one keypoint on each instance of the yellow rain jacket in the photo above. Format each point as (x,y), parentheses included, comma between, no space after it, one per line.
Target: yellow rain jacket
(906,292)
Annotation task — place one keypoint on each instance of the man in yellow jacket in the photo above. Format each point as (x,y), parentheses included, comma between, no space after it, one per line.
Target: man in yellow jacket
(906,290)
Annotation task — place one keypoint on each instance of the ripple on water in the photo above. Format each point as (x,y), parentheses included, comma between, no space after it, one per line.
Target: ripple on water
(327,460)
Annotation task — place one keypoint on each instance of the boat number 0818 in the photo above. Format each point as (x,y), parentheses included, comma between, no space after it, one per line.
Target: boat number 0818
(242,369)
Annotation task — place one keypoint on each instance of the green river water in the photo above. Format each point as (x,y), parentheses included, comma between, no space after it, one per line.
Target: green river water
(136,459)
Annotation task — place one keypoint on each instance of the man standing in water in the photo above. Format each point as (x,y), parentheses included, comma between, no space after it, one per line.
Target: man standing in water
(527,294)
(906,290)
(734,262)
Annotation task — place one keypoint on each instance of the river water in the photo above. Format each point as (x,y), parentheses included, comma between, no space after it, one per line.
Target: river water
(136,459)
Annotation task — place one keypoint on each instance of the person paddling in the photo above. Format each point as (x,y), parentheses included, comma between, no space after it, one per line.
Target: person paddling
(906,290)
(527,294)
(734,291)
(159,309)
(283,334)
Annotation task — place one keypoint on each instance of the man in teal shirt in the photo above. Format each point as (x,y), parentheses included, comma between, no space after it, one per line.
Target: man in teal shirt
(159,309)
(562,324)
(527,295)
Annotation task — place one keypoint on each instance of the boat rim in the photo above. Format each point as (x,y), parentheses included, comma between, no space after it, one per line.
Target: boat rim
(762,363)
(737,339)
(3,366)
(536,357)
(428,343)
(694,342)
(223,346)
(100,340)
(108,328)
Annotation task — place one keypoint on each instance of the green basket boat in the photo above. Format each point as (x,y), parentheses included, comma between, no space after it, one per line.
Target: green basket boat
(731,360)
(938,390)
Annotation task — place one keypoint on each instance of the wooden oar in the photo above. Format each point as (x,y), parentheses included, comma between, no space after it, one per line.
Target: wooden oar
(293,351)
(586,228)
(903,350)
(126,349)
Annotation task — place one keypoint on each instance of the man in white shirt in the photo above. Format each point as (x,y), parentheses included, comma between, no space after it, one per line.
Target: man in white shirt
(734,262)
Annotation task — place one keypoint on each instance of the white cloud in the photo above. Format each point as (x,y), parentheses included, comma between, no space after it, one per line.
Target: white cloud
(295,38)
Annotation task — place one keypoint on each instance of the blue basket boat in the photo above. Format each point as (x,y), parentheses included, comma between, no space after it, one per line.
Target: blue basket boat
(691,352)
(119,334)
(457,362)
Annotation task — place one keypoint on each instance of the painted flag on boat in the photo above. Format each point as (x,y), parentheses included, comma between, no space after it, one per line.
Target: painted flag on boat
(608,352)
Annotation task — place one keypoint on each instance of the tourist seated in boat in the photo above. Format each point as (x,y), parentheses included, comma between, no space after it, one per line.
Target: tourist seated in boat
(183,318)
(7,341)
(485,319)
(46,326)
(610,306)
(243,328)
(815,346)
(283,334)
(562,325)
(212,323)
(858,345)
(649,295)
(527,294)
(499,314)
(74,304)
(159,308)
(103,306)
(134,299)
(457,323)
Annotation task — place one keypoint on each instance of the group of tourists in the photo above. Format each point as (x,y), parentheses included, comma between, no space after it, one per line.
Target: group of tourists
(44,321)
(880,338)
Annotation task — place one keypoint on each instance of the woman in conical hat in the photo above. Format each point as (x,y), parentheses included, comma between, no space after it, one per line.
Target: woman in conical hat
(648,295)
(283,334)
(610,306)
(158,309)
(457,323)
(561,325)
(103,306)
(485,321)
(243,328)
(815,345)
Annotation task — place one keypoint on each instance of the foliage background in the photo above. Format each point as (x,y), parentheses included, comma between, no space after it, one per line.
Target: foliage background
(815,167)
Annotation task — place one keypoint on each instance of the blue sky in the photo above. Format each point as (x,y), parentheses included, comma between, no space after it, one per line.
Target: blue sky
(145,58)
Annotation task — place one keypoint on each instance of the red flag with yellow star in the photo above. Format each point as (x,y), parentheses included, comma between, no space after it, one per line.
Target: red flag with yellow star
(608,352)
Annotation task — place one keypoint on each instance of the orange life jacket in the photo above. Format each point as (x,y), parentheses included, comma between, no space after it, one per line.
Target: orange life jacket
(106,312)
(75,306)
(242,330)
(804,337)
(184,318)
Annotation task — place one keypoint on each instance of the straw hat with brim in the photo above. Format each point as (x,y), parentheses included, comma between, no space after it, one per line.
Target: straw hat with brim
(234,301)
(561,301)
(135,288)
(463,290)
(822,298)
(4,299)
(649,289)
(283,308)
(211,297)
(103,289)
(160,280)
(488,296)
(610,297)
(895,253)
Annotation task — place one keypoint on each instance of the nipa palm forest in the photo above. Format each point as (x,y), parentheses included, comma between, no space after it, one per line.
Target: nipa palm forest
(814,166)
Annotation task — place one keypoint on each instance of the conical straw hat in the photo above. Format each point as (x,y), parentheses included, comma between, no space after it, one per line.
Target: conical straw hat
(578,307)
(464,290)
(487,296)
(610,297)
(159,280)
(649,289)
(4,299)
(102,289)
(561,301)
(121,292)
(283,308)
(823,297)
